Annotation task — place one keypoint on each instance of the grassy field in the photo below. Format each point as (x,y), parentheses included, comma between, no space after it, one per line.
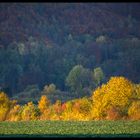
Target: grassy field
(70,129)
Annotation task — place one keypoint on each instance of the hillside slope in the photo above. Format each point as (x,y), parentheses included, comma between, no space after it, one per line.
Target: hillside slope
(40,43)
(19,21)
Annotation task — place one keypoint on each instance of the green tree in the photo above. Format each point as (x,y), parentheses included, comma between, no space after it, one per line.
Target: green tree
(98,75)
(49,89)
(79,78)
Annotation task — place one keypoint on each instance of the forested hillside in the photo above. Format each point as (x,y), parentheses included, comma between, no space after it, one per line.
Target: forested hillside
(66,50)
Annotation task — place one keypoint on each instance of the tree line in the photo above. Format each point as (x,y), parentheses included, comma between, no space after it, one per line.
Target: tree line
(117,99)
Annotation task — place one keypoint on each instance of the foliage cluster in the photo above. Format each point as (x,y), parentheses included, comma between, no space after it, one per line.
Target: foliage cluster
(119,98)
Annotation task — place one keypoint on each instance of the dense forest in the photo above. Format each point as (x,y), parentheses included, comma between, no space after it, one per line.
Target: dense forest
(66,50)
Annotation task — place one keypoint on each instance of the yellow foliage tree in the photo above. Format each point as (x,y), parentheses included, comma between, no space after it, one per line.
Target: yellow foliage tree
(134,110)
(116,93)
(43,103)
(29,112)
(78,109)
(14,114)
(56,111)
(67,112)
(136,93)
(82,109)
(4,106)
(43,106)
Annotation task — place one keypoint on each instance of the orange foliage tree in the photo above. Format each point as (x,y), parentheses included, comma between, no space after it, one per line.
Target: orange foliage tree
(56,111)
(67,110)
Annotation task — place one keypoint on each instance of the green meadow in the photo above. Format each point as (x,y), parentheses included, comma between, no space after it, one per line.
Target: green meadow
(70,129)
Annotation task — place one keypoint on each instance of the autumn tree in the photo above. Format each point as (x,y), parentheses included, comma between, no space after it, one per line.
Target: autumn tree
(4,106)
(134,109)
(136,93)
(56,111)
(116,93)
(14,113)
(43,106)
(82,109)
(43,103)
(77,109)
(30,112)
(67,113)
(57,107)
